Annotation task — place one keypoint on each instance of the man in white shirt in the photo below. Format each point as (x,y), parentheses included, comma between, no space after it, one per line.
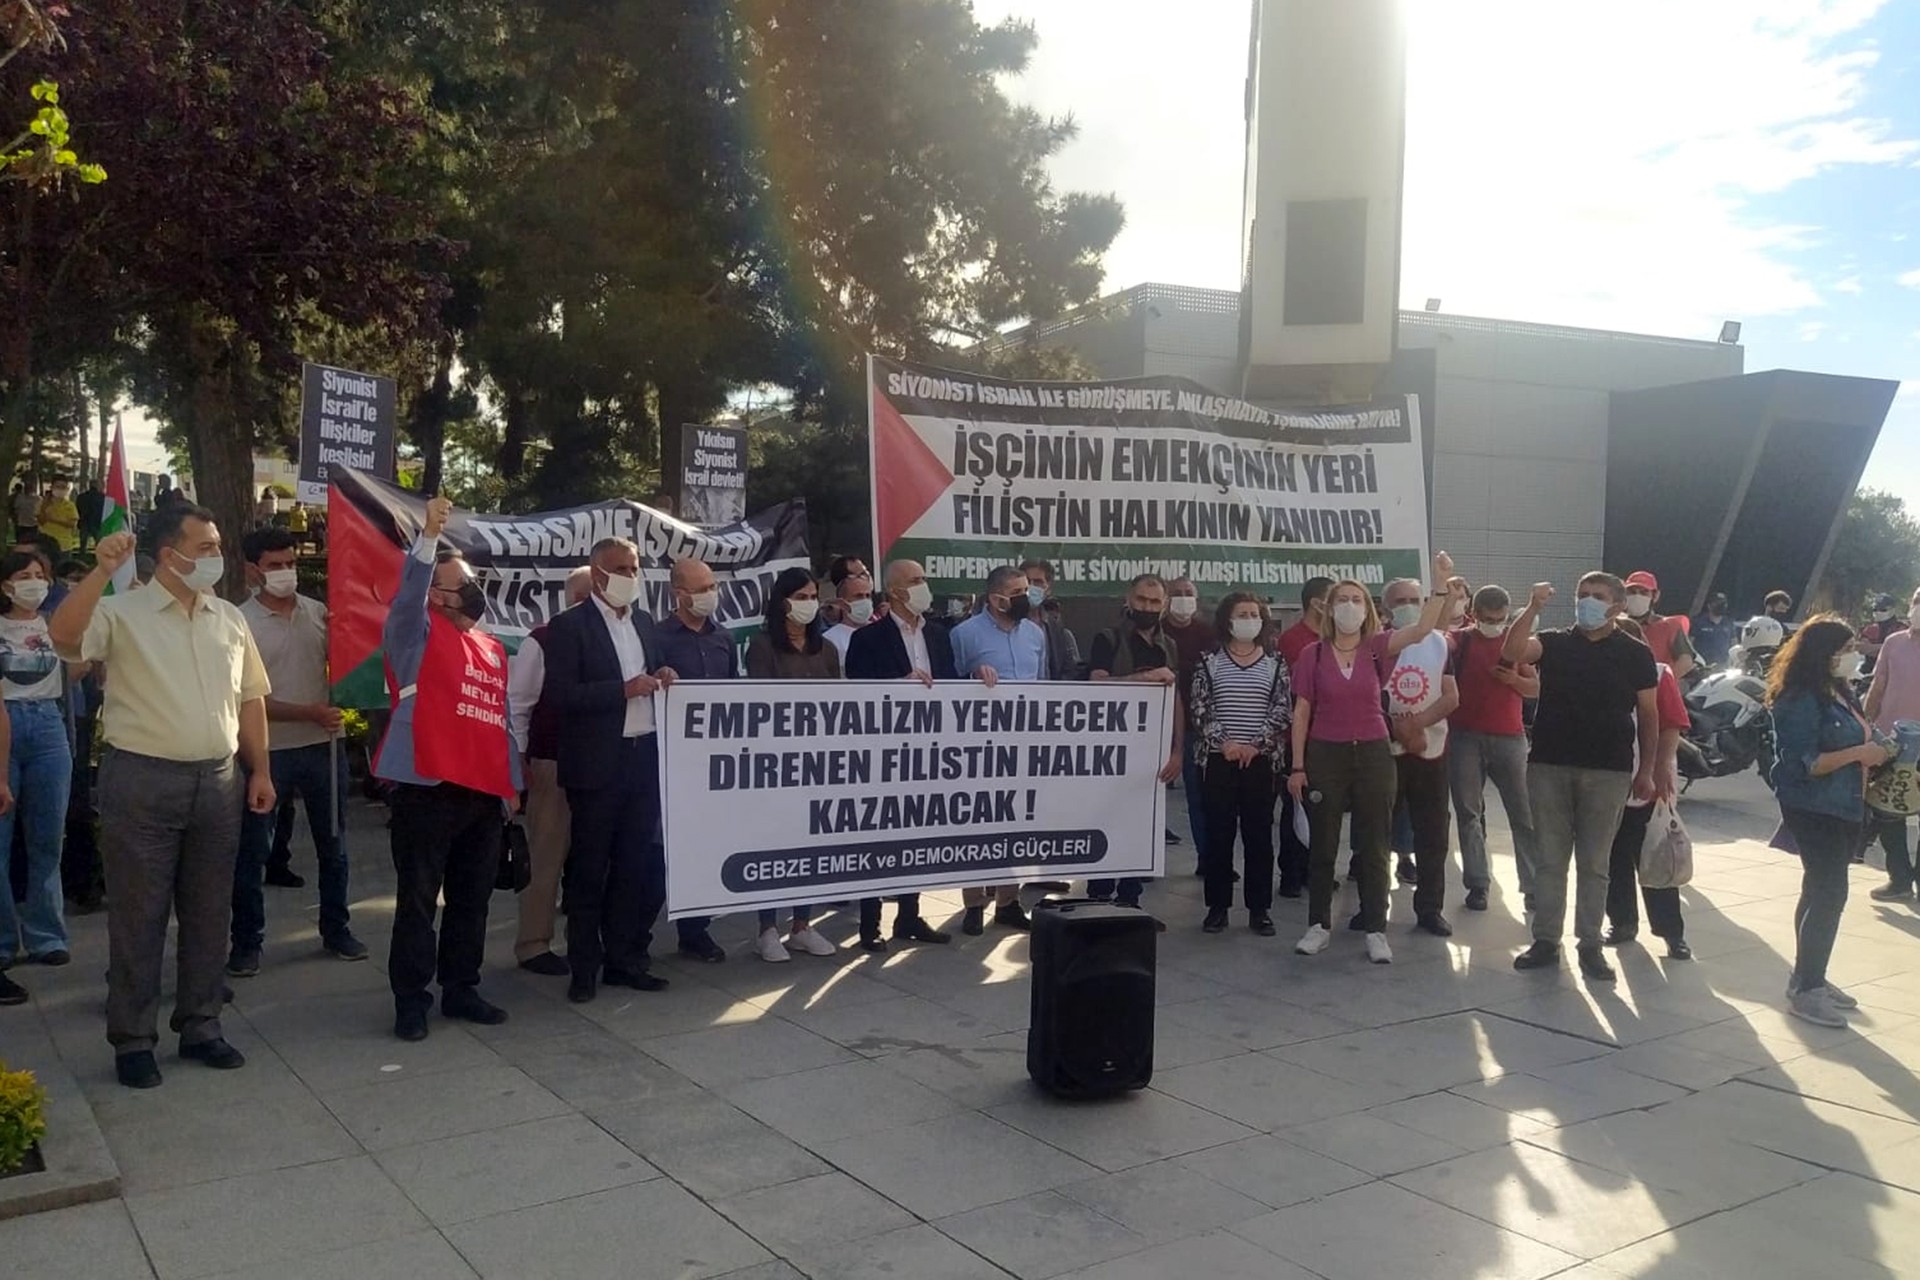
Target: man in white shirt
(536,733)
(597,659)
(855,593)
(1421,693)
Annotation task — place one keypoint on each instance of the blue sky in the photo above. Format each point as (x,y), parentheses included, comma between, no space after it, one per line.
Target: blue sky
(1648,165)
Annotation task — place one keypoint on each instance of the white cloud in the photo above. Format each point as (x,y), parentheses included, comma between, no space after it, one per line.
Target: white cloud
(1850,285)
(1911,279)
(1811,330)
(1584,164)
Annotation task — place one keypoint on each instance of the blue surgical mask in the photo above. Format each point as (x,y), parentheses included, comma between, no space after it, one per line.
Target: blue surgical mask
(1590,613)
(1036,596)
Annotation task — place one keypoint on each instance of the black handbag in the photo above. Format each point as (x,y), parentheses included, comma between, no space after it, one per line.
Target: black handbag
(516,860)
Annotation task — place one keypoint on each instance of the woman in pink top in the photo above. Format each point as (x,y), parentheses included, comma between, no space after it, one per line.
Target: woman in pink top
(1895,696)
(1342,765)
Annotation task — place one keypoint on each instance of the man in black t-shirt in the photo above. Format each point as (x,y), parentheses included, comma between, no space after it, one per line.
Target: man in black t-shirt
(1140,652)
(1596,701)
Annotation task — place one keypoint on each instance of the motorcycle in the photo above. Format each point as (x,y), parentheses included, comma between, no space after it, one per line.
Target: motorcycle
(1731,729)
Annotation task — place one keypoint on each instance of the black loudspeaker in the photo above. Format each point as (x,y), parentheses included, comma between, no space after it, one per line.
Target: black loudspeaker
(1092,1027)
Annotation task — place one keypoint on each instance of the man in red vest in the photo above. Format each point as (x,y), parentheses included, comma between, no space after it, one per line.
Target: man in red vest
(456,777)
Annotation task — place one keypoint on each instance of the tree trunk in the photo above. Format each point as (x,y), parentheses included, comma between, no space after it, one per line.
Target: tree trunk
(219,442)
(80,425)
(430,414)
(513,445)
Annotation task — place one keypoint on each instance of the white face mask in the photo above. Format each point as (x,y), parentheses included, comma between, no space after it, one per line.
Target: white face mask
(919,598)
(1638,606)
(206,571)
(620,591)
(1245,630)
(1405,615)
(1846,666)
(1349,616)
(860,612)
(1182,608)
(1492,630)
(701,604)
(281,583)
(803,611)
(29,593)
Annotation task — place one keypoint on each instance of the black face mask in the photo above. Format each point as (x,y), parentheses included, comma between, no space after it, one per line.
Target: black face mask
(1145,619)
(473,601)
(1019,606)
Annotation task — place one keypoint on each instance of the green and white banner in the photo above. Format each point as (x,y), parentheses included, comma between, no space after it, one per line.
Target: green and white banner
(1109,480)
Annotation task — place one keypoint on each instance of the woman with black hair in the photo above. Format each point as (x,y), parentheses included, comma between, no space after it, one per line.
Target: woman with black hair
(1242,707)
(791,646)
(1826,748)
(39,764)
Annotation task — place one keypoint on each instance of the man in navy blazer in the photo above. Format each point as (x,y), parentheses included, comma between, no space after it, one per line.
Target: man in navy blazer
(601,676)
(901,646)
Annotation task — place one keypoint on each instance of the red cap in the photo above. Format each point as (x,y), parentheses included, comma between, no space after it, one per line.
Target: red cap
(1643,579)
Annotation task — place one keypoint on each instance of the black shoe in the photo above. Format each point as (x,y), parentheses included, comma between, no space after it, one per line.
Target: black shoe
(216,1053)
(1292,891)
(704,949)
(1541,955)
(1891,893)
(467,1006)
(1261,923)
(11,992)
(1172,838)
(973,923)
(284,878)
(873,942)
(1014,916)
(1436,924)
(243,964)
(1677,949)
(642,981)
(1100,897)
(1199,870)
(410,1024)
(1594,966)
(1476,899)
(137,1070)
(346,947)
(916,929)
(53,959)
(547,965)
(582,989)
(1358,924)
(1216,921)
(1406,872)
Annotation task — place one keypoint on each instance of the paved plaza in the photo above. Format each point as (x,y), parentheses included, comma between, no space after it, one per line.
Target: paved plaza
(870,1116)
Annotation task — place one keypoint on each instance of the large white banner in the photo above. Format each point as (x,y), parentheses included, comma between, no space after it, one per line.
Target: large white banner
(1139,475)
(787,792)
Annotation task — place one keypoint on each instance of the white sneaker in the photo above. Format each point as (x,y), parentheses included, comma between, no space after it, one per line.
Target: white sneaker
(811,942)
(1816,1007)
(1377,949)
(1313,941)
(770,949)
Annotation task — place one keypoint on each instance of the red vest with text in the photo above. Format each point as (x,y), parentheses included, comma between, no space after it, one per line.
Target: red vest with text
(460,710)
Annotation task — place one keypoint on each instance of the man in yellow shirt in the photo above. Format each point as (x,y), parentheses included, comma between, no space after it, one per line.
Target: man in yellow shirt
(60,516)
(185,695)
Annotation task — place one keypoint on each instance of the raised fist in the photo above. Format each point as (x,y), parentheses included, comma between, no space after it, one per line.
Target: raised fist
(1542,592)
(113,551)
(439,511)
(1442,567)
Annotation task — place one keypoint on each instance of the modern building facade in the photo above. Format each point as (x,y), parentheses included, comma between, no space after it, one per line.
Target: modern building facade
(1557,450)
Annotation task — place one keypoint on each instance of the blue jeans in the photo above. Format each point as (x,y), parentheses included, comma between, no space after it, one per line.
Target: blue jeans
(40,772)
(298,771)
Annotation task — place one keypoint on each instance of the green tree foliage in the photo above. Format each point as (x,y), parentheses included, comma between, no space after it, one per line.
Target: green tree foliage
(1877,549)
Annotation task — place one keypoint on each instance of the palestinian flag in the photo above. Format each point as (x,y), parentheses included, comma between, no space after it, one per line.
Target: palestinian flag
(116,513)
(522,563)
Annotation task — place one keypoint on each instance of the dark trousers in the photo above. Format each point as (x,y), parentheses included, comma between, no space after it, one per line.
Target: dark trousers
(1193,786)
(615,879)
(1423,796)
(281,857)
(167,836)
(908,909)
(1623,912)
(1239,798)
(301,771)
(1125,890)
(1893,839)
(80,856)
(1293,851)
(1354,780)
(1827,846)
(445,839)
